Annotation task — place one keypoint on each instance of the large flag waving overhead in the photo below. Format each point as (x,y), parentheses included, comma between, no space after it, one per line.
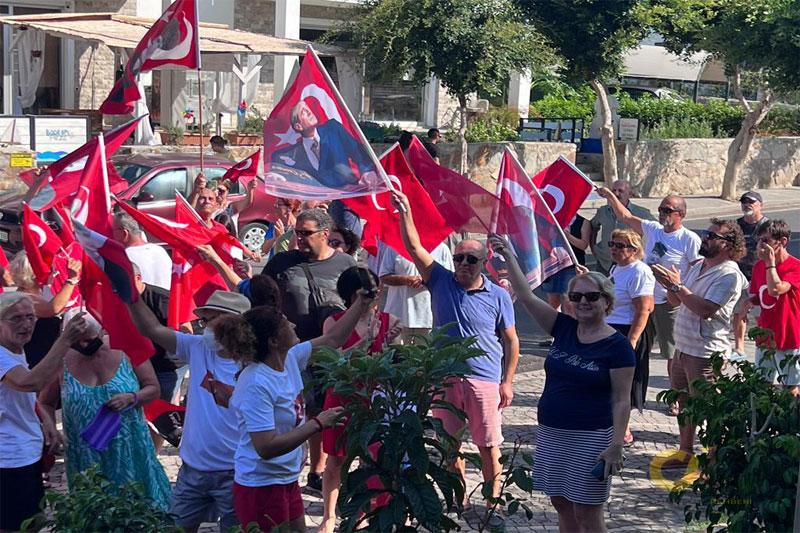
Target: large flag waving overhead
(65,174)
(172,40)
(539,245)
(40,243)
(382,219)
(244,168)
(313,149)
(564,188)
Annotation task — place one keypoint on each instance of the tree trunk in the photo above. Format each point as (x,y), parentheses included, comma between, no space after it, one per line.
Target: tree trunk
(740,147)
(606,134)
(462,133)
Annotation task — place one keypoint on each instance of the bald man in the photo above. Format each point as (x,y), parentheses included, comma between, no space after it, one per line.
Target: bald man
(668,244)
(479,309)
(605,221)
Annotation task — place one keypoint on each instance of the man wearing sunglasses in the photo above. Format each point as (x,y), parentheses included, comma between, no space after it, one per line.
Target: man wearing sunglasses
(667,243)
(706,296)
(750,223)
(482,310)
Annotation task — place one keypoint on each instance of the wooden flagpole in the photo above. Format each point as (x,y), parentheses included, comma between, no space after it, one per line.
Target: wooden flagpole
(199,81)
(539,195)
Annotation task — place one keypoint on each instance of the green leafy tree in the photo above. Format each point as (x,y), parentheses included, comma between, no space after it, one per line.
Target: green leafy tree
(471,46)
(592,36)
(753,38)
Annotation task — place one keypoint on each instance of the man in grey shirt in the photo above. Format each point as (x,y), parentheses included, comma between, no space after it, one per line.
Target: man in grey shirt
(605,222)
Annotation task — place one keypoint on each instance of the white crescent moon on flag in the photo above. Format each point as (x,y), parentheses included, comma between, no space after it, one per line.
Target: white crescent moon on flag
(761,298)
(324,99)
(39,233)
(244,165)
(180,51)
(518,194)
(399,186)
(558,196)
(80,209)
(78,164)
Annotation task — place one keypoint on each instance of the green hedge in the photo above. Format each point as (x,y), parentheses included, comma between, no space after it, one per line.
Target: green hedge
(717,118)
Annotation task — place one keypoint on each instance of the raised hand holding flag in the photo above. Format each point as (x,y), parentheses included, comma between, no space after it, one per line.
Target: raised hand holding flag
(245,168)
(40,243)
(564,187)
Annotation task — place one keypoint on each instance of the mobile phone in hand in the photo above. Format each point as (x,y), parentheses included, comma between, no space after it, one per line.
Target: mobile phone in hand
(366,283)
(599,470)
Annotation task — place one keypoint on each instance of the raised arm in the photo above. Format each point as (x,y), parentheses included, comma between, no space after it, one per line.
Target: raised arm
(338,332)
(54,306)
(207,252)
(775,285)
(149,326)
(622,212)
(249,198)
(199,185)
(419,255)
(540,310)
(21,379)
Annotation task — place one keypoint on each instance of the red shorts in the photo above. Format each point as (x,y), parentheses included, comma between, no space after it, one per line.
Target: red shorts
(268,506)
(331,436)
(480,400)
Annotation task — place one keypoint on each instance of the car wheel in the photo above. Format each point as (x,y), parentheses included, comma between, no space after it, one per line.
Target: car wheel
(253,235)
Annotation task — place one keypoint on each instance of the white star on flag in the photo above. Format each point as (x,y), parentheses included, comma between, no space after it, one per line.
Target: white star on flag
(290,137)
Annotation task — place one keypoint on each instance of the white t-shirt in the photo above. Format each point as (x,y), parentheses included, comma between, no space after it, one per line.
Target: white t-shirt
(630,281)
(266,400)
(411,306)
(678,248)
(21,437)
(154,264)
(210,432)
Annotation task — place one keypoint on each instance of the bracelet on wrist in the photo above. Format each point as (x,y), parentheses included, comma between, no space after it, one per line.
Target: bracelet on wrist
(771,266)
(73,281)
(315,419)
(135,399)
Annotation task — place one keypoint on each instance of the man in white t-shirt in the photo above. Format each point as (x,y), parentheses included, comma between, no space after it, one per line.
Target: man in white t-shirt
(407,297)
(153,261)
(667,243)
(204,489)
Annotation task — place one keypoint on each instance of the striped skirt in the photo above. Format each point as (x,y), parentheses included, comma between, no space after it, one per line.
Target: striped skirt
(563,461)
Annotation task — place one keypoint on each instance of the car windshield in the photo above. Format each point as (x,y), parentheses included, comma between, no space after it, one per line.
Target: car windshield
(131,172)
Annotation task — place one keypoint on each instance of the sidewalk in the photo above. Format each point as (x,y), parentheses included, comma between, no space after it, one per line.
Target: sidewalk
(707,206)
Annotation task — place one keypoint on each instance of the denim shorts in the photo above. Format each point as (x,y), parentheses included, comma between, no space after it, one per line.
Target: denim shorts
(167,380)
(558,283)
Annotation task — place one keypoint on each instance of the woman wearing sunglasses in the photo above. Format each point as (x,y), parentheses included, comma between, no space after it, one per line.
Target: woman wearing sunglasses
(586,402)
(634,285)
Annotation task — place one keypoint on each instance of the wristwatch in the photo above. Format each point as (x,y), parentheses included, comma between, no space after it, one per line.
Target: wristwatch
(73,281)
(676,288)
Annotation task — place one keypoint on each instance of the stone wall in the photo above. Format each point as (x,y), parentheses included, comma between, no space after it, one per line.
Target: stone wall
(658,167)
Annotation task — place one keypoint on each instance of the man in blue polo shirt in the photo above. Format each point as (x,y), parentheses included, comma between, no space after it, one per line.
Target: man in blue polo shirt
(479,309)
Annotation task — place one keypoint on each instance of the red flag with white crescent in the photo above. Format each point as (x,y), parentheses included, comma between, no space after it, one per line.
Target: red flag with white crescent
(40,243)
(383,221)
(564,188)
(312,148)
(245,168)
(171,40)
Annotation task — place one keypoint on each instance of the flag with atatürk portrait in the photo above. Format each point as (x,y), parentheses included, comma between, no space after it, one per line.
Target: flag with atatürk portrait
(313,149)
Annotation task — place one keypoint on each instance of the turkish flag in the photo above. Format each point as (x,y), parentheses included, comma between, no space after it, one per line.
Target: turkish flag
(65,174)
(92,203)
(564,188)
(312,148)
(40,243)
(171,40)
(74,251)
(383,221)
(244,168)
(465,205)
(67,232)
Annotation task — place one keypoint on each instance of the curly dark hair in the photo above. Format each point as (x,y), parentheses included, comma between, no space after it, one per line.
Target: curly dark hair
(245,337)
(352,242)
(733,235)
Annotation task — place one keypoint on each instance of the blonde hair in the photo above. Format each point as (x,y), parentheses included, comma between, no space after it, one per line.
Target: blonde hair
(632,238)
(22,273)
(605,286)
(10,299)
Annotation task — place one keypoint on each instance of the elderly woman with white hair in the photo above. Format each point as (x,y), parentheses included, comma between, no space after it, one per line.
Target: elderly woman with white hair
(100,388)
(586,402)
(47,306)
(22,435)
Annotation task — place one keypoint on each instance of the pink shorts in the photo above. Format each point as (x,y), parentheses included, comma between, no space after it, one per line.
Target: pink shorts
(480,400)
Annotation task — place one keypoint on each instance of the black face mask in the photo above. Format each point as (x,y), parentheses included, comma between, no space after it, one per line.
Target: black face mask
(91,347)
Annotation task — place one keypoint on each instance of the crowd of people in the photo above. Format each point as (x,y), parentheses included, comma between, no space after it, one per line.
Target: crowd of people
(249,419)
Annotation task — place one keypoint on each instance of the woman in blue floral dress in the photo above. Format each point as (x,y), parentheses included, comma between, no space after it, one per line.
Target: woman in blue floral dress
(94,376)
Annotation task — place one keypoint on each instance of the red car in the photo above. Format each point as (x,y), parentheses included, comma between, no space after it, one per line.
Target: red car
(153,180)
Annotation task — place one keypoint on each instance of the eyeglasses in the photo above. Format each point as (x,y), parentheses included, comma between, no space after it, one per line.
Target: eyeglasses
(712,236)
(19,319)
(306,232)
(668,210)
(471,259)
(619,245)
(591,297)
(335,243)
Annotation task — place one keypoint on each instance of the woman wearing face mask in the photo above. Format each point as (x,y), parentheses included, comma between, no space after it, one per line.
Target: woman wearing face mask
(586,402)
(95,376)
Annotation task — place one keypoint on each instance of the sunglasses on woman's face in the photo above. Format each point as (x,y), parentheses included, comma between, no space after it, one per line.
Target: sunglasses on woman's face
(471,259)
(591,297)
(619,245)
